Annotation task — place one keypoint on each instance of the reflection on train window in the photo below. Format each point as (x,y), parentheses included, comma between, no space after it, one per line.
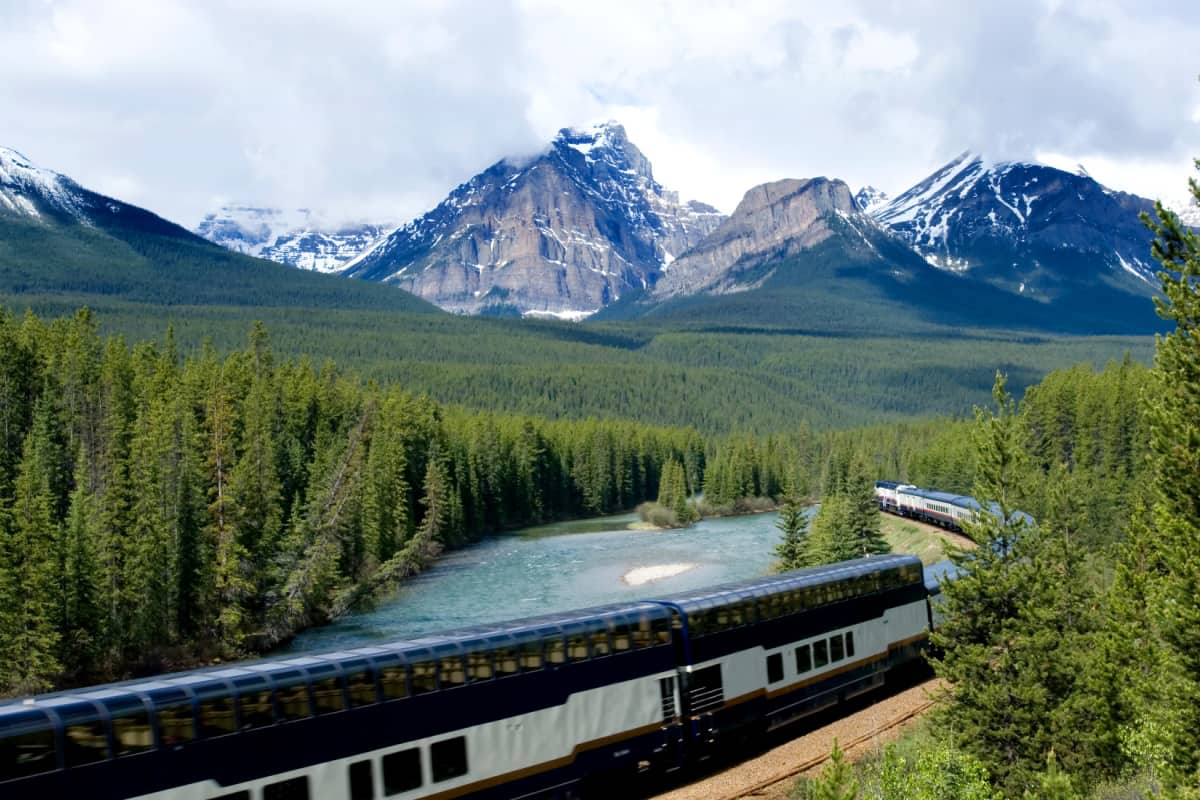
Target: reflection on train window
(531,656)
(175,724)
(506,661)
(361,688)
(836,653)
(622,639)
(448,758)
(479,666)
(849,644)
(642,634)
(600,644)
(662,630)
(256,710)
(327,696)
(291,789)
(452,672)
(555,652)
(132,733)
(216,717)
(775,668)
(402,771)
(394,682)
(27,754)
(362,784)
(424,677)
(820,654)
(803,659)
(577,647)
(85,744)
(293,701)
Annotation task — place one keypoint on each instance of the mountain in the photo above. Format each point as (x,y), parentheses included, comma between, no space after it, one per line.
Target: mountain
(1027,228)
(562,234)
(869,198)
(773,221)
(62,245)
(298,237)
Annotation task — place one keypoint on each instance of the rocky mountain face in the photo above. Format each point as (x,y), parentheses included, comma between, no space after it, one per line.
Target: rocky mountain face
(1027,228)
(773,222)
(869,198)
(561,235)
(298,237)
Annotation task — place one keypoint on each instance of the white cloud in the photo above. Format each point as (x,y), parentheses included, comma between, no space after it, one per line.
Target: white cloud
(377,109)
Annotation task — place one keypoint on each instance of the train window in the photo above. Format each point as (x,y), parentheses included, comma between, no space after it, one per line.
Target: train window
(600,644)
(662,630)
(394,682)
(424,677)
(775,668)
(505,659)
(803,659)
(175,725)
(293,701)
(697,623)
(849,644)
(479,666)
(748,615)
(622,640)
(327,696)
(448,758)
(216,717)
(132,735)
(577,647)
(26,754)
(402,771)
(361,688)
(86,743)
(452,672)
(555,651)
(820,654)
(531,656)
(837,649)
(256,710)
(291,789)
(362,782)
(642,635)
(771,607)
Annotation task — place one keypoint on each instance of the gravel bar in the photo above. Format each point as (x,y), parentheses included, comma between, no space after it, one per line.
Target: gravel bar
(778,762)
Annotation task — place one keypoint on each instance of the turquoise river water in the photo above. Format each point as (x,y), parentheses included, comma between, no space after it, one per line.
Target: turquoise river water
(554,568)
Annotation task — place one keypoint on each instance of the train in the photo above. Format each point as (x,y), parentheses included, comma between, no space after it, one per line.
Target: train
(552,706)
(945,509)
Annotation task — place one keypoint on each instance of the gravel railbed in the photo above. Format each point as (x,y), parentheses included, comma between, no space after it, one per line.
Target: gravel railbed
(786,757)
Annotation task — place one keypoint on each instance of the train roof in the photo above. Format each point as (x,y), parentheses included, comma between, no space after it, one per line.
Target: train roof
(888,484)
(939,573)
(813,576)
(264,673)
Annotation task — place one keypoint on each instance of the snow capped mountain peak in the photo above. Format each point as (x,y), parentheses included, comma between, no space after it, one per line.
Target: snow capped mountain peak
(300,237)
(30,190)
(869,198)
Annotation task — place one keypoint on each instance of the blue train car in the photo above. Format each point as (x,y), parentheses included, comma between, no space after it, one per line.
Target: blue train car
(541,707)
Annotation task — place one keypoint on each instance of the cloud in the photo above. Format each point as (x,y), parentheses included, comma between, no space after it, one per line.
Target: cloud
(376,110)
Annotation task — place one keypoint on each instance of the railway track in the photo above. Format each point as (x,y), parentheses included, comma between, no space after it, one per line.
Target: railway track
(763,778)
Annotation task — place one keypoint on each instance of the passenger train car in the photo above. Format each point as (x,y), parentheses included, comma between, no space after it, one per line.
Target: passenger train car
(540,707)
(937,508)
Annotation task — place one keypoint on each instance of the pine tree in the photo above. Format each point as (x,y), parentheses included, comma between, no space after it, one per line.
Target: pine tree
(793,524)
(837,781)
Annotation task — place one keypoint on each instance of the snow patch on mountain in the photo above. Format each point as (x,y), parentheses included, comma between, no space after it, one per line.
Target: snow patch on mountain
(29,190)
(299,237)
(869,198)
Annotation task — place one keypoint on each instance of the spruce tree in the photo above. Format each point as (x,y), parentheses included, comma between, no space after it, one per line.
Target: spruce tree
(793,525)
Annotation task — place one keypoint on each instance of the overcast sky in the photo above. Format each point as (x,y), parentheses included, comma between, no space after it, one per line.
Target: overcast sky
(376,110)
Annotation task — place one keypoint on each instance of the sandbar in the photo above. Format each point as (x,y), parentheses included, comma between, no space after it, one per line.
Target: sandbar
(641,575)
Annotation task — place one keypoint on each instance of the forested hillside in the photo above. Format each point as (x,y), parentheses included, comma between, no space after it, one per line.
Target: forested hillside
(156,510)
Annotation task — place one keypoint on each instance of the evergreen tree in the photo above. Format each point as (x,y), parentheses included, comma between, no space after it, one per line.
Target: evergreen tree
(793,525)
(837,781)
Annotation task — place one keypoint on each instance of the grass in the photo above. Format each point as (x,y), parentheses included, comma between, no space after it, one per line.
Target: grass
(926,541)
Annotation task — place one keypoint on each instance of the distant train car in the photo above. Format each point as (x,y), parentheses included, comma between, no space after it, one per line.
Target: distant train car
(945,509)
(542,707)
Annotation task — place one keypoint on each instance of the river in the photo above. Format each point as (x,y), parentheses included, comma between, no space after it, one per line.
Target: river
(554,568)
